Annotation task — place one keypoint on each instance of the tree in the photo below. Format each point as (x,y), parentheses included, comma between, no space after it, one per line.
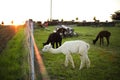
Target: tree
(2,23)
(76,18)
(94,18)
(116,15)
(96,21)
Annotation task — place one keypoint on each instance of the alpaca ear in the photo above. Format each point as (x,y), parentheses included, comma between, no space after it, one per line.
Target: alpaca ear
(49,44)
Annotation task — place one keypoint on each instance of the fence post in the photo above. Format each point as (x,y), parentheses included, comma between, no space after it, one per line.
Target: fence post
(32,49)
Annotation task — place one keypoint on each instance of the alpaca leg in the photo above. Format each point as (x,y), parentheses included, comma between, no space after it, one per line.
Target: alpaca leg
(107,38)
(52,44)
(71,60)
(102,41)
(66,60)
(87,61)
(60,43)
(82,62)
(56,44)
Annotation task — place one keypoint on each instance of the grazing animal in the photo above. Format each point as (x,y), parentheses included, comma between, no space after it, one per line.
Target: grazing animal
(72,47)
(101,35)
(54,38)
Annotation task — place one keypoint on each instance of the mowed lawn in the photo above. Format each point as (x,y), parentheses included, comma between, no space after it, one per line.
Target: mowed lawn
(105,61)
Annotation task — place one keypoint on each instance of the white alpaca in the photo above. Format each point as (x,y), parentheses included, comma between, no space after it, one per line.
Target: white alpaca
(77,47)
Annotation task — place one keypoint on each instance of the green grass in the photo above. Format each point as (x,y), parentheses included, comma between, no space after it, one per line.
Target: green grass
(105,61)
(13,59)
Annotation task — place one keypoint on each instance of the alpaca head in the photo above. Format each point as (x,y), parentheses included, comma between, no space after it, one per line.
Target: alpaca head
(46,48)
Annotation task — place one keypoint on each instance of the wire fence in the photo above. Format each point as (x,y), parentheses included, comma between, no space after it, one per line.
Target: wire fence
(34,54)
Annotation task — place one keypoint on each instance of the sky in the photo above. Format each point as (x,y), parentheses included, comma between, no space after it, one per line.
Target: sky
(39,10)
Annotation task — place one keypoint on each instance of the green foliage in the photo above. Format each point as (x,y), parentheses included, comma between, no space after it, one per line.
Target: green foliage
(13,59)
(105,61)
(116,15)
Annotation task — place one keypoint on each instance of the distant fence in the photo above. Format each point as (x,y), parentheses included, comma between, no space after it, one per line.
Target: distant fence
(33,50)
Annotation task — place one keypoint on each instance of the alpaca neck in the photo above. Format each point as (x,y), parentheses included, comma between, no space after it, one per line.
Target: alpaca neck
(48,41)
(96,38)
(55,51)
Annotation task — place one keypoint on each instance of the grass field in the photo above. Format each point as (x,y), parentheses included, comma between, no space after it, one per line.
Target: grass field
(105,61)
(14,59)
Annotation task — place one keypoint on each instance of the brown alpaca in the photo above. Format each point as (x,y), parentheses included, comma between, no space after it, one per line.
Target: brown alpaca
(101,35)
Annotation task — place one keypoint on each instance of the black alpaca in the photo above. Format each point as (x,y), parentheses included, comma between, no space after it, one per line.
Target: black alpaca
(101,35)
(54,38)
